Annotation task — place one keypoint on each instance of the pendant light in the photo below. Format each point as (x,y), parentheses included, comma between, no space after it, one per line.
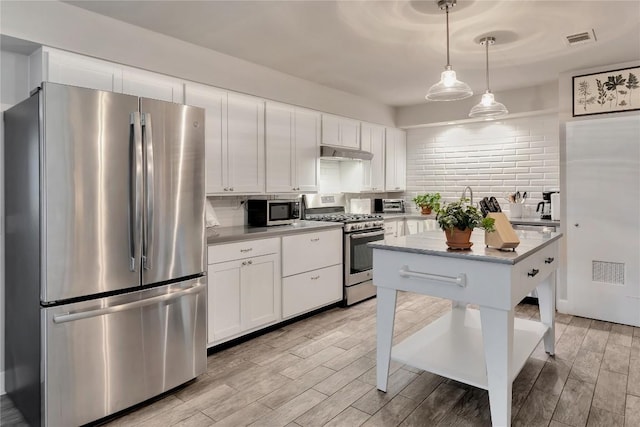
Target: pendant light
(488,107)
(449,88)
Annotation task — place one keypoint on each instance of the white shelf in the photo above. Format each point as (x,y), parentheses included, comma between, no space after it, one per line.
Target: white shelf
(452,347)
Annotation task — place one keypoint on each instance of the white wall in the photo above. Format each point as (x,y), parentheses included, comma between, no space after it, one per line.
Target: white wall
(493,158)
(63,26)
(518,101)
(13,88)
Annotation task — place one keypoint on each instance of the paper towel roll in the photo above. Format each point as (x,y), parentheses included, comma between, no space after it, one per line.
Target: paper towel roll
(555,206)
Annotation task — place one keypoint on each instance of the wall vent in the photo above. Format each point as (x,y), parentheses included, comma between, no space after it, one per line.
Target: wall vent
(607,272)
(581,38)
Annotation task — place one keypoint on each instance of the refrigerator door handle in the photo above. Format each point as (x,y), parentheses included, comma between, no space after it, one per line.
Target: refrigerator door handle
(149,180)
(70,317)
(135,188)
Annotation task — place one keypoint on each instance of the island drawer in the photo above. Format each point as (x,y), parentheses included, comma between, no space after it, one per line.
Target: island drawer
(534,269)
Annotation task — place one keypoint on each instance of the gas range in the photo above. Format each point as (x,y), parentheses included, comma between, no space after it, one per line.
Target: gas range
(352,222)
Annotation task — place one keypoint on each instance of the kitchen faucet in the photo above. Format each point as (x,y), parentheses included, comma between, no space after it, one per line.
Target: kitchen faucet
(464,194)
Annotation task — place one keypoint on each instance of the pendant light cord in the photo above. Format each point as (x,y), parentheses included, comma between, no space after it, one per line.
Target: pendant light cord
(487,50)
(447,13)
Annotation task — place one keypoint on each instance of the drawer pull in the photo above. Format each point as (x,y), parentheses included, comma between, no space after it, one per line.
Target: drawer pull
(549,260)
(316,239)
(315,277)
(246,250)
(460,279)
(533,272)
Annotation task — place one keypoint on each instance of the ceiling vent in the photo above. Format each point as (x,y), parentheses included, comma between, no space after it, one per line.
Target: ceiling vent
(581,38)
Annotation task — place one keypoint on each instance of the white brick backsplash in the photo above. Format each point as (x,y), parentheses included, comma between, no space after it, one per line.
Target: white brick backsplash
(493,158)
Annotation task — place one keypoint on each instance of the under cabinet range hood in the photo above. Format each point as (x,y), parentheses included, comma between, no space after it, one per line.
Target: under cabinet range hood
(343,153)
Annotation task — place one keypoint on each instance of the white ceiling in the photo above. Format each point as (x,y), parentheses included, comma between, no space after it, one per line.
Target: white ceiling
(392,51)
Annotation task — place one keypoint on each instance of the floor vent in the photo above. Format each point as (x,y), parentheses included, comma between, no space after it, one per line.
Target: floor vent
(607,272)
(581,38)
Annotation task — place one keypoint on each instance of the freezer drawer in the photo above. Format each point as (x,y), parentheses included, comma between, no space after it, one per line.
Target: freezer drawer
(105,355)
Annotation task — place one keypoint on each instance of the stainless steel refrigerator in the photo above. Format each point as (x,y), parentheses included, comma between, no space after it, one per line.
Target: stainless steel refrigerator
(105,286)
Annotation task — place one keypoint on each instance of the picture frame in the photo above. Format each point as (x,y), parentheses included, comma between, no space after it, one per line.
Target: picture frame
(607,92)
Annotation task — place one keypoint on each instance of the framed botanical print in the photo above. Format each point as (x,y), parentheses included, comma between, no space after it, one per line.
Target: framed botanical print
(608,92)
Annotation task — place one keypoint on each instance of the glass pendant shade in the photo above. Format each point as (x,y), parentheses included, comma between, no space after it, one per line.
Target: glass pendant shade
(488,107)
(449,88)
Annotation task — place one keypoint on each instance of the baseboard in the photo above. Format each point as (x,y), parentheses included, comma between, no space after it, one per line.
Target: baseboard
(562,306)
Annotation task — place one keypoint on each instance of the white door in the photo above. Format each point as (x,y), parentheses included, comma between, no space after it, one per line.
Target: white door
(224,299)
(245,140)
(214,102)
(603,218)
(307,149)
(330,130)
(75,70)
(261,285)
(378,161)
(280,150)
(350,133)
(152,85)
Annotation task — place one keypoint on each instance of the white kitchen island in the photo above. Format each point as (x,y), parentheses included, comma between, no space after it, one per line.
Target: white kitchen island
(485,348)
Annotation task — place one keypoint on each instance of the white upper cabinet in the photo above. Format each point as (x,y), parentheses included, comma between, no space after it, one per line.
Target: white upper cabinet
(396,160)
(245,144)
(372,140)
(307,138)
(214,102)
(152,85)
(234,139)
(57,66)
(340,131)
(292,141)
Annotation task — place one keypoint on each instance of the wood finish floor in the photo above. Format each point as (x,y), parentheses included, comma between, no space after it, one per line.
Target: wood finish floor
(321,372)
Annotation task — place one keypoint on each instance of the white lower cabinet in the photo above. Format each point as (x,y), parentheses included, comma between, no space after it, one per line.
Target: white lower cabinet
(244,293)
(312,270)
(415,226)
(306,291)
(394,228)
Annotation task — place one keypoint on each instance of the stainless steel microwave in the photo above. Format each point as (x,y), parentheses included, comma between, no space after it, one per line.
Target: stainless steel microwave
(264,213)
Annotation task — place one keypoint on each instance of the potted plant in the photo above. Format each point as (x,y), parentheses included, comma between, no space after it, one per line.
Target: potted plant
(458,219)
(427,202)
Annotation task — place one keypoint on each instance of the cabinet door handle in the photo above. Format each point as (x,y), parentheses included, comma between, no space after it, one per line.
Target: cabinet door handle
(315,277)
(533,272)
(315,239)
(549,260)
(230,188)
(226,189)
(249,262)
(244,262)
(246,250)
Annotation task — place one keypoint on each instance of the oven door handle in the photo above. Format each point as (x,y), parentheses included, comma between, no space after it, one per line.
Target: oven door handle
(363,235)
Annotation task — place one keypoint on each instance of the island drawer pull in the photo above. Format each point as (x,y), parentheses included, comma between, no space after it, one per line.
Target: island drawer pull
(533,272)
(246,250)
(549,260)
(460,279)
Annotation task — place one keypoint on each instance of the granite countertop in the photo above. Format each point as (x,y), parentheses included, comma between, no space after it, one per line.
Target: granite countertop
(217,235)
(434,243)
(520,221)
